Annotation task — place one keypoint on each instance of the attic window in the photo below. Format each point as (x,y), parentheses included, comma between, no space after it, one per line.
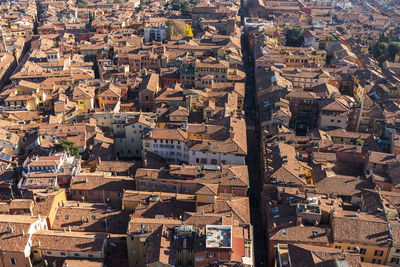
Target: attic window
(315,233)
(284,233)
(66,217)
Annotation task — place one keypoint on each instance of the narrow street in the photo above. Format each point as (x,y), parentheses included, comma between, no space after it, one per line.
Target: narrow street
(253,158)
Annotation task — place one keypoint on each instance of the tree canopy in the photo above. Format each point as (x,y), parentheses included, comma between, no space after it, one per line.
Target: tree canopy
(184,6)
(67,146)
(176,28)
(295,37)
(386,48)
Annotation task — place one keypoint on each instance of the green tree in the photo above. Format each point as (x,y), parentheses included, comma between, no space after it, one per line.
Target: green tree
(176,28)
(185,7)
(68,146)
(392,49)
(176,5)
(295,37)
(380,49)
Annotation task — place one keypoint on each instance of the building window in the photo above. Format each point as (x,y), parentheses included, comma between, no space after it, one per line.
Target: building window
(13,261)
(147,144)
(49,252)
(164,187)
(378,253)
(142,184)
(395,260)
(190,262)
(62,253)
(363,251)
(398,250)
(376,261)
(76,254)
(179,251)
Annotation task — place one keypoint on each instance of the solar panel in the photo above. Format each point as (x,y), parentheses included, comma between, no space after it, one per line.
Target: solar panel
(2,155)
(7,157)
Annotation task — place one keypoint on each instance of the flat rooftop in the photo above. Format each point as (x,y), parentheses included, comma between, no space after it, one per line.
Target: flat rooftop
(218,236)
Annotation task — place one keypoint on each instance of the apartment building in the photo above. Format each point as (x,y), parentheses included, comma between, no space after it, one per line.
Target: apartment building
(155,33)
(100,188)
(52,244)
(200,144)
(168,143)
(16,241)
(305,78)
(334,115)
(147,91)
(232,179)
